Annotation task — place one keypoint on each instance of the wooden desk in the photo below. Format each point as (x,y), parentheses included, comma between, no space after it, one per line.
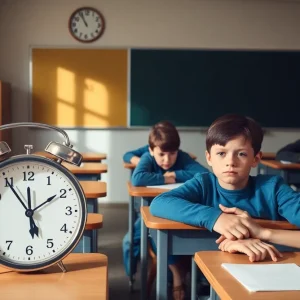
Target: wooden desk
(180,239)
(86,156)
(227,287)
(87,171)
(268,155)
(145,196)
(92,191)
(129,166)
(86,278)
(289,172)
(89,241)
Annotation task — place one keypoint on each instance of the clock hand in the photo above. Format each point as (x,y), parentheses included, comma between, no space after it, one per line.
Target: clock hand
(48,200)
(29,198)
(13,190)
(34,230)
(83,19)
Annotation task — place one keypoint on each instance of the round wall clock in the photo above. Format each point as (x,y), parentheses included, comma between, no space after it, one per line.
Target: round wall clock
(42,206)
(86,24)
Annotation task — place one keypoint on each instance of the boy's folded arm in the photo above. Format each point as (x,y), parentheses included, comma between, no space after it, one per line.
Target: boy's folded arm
(138,152)
(183,204)
(143,175)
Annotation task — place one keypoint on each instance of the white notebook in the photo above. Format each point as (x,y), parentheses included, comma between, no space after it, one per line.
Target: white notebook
(266,277)
(166,186)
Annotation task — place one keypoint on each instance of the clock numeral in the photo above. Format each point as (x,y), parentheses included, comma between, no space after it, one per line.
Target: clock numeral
(30,175)
(63,193)
(87,12)
(9,244)
(64,228)
(50,243)
(85,36)
(99,25)
(92,34)
(11,181)
(48,183)
(77,19)
(74,24)
(97,19)
(69,210)
(29,250)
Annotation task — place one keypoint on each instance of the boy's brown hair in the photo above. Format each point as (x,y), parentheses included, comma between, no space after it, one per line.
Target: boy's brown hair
(165,136)
(227,127)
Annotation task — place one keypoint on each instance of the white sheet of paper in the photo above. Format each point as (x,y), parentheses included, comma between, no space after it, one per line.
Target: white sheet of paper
(166,186)
(267,277)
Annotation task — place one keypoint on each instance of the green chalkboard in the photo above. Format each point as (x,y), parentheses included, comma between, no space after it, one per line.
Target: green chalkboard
(191,88)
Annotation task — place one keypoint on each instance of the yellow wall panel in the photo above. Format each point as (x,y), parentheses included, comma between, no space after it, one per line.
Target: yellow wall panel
(79,87)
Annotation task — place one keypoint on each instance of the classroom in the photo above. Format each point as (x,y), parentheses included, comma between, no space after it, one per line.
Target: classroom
(31,29)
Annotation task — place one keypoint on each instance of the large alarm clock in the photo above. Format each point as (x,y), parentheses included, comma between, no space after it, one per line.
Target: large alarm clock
(42,205)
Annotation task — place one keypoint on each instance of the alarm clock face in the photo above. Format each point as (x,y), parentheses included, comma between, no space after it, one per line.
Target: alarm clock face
(42,212)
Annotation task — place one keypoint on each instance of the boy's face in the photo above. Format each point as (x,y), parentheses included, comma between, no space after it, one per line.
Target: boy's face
(232,163)
(165,160)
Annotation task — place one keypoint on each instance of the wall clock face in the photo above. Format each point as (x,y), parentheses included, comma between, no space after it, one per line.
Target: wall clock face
(86,24)
(42,212)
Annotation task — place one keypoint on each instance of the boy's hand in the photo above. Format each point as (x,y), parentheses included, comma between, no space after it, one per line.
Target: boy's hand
(232,227)
(170,177)
(254,248)
(135,160)
(255,230)
(170,174)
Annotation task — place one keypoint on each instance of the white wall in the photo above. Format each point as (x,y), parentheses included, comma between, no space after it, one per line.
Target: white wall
(243,24)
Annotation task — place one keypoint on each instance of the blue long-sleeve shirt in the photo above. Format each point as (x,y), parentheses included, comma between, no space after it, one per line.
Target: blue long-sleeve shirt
(196,202)
(138,152)
(147,172)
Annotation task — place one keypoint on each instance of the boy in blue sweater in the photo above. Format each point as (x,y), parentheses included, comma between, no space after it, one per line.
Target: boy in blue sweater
(233,146)
(161,163)
(164,163)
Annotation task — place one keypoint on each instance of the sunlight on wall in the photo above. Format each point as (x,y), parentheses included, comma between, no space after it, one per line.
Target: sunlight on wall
(65,92)
(95,103)
(65,85)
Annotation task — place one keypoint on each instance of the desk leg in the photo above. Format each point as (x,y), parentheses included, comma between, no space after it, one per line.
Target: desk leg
(193,280)
(144,253)
(130,228)
(92,207)
(162,265)
(213,294)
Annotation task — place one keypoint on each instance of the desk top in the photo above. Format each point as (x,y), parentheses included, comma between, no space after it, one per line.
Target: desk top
(86,278)
(227,287)
(275,164)
(143,191)
(94,221)
(86,156)
(93,189)
(86,168)
(268,155)
(128,166)
(160,223)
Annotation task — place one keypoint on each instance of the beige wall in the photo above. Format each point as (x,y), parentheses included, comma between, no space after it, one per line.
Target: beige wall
(243,24)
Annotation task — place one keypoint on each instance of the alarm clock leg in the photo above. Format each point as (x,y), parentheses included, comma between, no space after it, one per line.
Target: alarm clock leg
(62,266)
